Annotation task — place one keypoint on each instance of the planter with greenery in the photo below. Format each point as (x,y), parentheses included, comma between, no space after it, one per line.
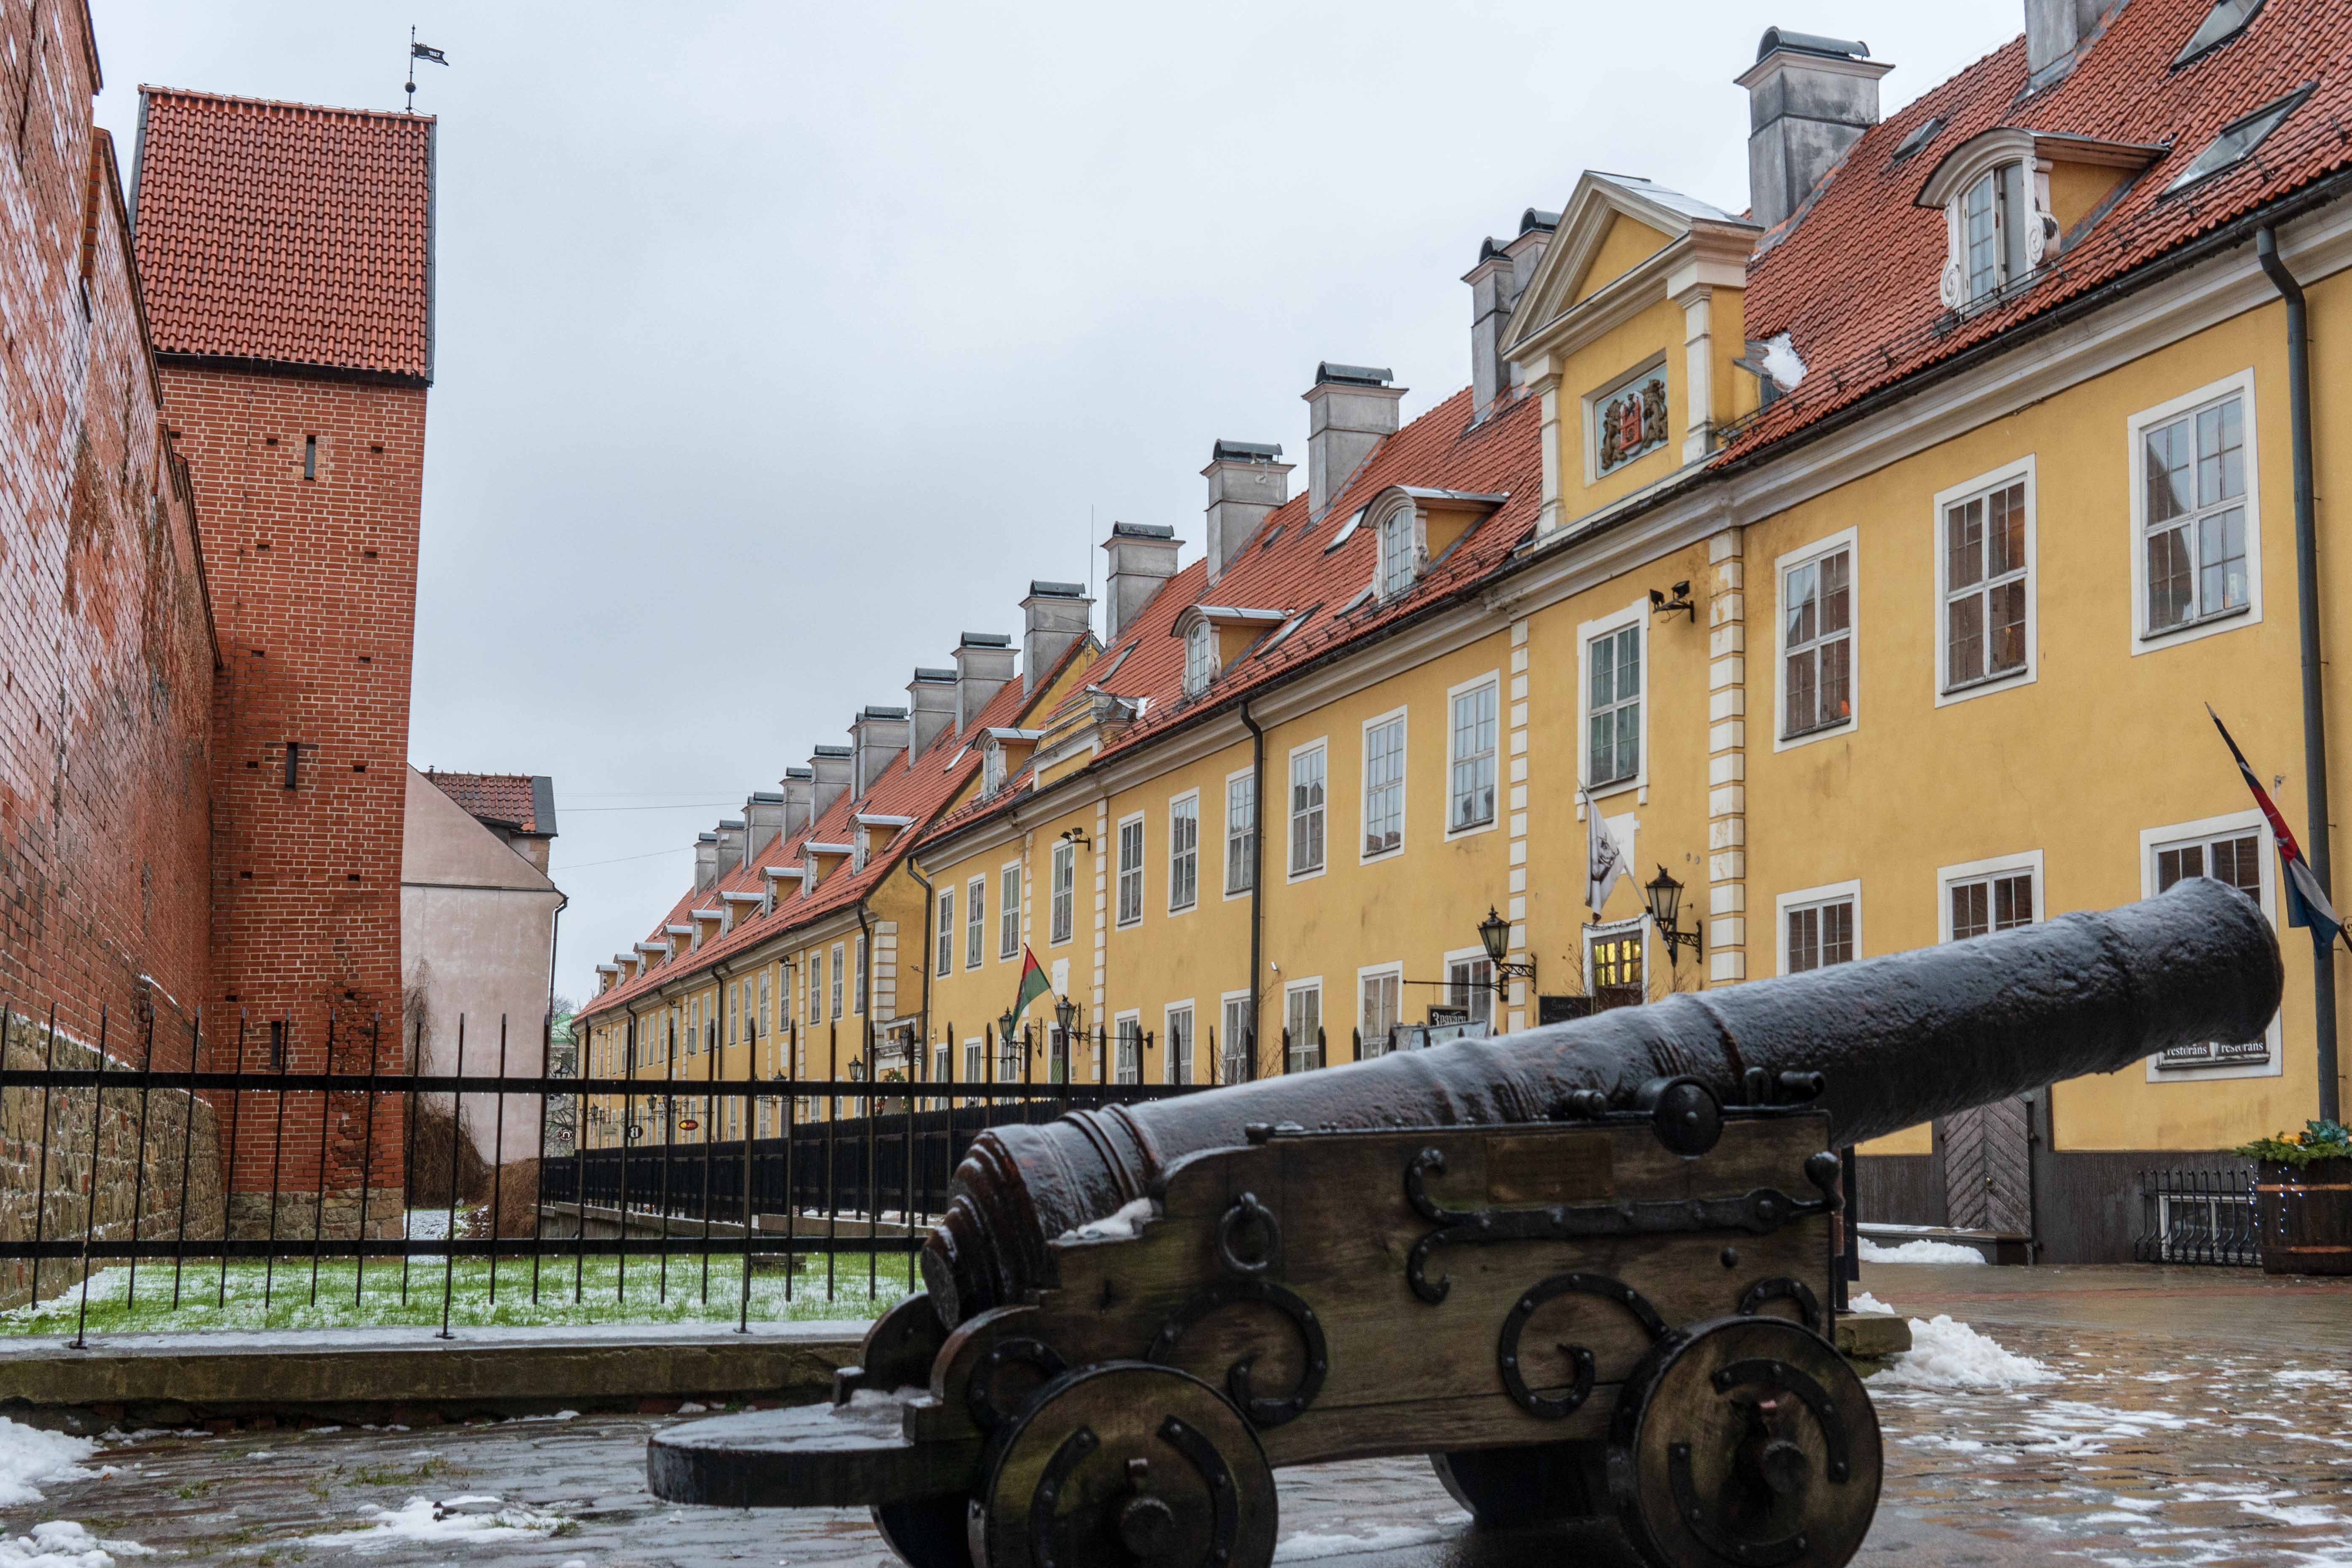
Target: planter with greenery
(2303,1199)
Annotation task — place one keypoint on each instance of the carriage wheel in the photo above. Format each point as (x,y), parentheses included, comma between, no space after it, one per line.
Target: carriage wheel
(1125,1462)
(1535,1483)
(1744,1440)
(928,1533)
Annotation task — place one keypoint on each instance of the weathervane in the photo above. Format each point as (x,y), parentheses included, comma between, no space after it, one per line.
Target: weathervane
(416,52)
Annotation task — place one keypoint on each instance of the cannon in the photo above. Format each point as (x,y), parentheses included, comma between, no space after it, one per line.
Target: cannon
(1586,1268)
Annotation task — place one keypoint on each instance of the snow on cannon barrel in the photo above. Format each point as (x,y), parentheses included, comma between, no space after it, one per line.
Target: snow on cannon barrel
(1585,1267)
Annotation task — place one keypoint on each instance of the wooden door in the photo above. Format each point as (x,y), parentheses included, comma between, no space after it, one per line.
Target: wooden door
(1988,1183)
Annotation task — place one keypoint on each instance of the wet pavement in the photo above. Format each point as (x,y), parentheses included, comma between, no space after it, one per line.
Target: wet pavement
(2191,1416)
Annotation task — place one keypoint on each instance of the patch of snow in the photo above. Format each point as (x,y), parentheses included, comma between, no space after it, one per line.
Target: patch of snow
(29,1455)
(1386,1537)
(62,1543)
(1946,1355)
(692,1408)
(1783,365)
(1920,1251)
(1864,1302)
(445,1522)
(2301,1374)
(1123,1225)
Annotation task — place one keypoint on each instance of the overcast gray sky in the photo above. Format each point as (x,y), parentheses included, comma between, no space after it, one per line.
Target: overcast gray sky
(777,345)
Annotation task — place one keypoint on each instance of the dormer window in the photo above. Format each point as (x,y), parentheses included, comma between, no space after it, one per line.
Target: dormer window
(1200,658)
(1995,192)
(1399,551)
(1993,227)
(857,843)
(992,768)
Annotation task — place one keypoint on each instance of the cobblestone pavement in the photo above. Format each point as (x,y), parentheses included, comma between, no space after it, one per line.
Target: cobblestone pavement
(2194,1417)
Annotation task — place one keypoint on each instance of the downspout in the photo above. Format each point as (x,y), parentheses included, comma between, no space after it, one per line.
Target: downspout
(1257,870)
(930,911)
(864,981)
(2314,715)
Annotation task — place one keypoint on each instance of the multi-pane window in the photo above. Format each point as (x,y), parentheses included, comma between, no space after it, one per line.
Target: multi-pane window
(1992,223)
(832,996)
(1233,1050)
(1378,1010)
(1399,557)
(1614,715)
(2196,523)
(1180,1045)
(1008,912)
(2231,857)
(1130,872)
(857,988)
(1470,985)
(1065,875)
(1998,902)
(1200,658)
(1820,934)
(1127,1062)
(765,1017)
(1241,834)
(1302,1020)
(946,930)
(734,1013)
(1183,852)
(975,920)
(1617,969)
(1384,785)
(1470,788)
(1306,771)
(1817,645)
(974,1064)
(1984,586)
(815,967)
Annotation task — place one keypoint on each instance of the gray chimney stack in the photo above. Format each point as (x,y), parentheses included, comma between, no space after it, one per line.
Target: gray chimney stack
(1496,284)
(763,820)
(1352,408)
(1247,479)
(1143,557)
(2055,28)
(930,705)
(875,735)
(1809,99)
(731,845)
(829,768)
(1054,616)
(705,861)
(800,801)
(985,667)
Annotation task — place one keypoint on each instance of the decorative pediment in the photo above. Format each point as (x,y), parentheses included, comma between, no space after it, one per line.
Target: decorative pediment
(1607,224)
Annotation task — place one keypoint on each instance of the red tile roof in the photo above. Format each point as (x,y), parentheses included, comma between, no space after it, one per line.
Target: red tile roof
(510,798)
(286,233)
(1852,278)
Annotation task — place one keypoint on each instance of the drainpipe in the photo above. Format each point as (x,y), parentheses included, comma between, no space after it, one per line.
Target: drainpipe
(2315,715)
(865,979)
(1257,870)
(930,912)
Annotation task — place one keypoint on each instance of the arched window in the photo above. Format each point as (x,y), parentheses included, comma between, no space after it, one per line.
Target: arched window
(1200,658)
(1400,552)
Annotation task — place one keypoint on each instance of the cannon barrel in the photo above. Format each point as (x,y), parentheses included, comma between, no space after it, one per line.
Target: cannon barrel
(1898,1040)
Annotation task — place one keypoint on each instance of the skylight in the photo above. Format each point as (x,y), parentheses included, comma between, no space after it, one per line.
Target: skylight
(2237,142)
(1921,134)
(2223,23)
(1345,534)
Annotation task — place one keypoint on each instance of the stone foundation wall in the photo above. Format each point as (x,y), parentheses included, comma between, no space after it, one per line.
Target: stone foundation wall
(57,1161)
(301,1215)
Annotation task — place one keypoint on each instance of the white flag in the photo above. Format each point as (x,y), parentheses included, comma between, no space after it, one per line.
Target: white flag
(1604,862)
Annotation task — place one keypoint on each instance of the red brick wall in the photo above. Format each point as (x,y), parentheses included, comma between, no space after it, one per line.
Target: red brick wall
(314,591)
(105,653)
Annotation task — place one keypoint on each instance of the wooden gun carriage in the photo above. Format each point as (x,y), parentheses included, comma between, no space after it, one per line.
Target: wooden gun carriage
(1586,1268)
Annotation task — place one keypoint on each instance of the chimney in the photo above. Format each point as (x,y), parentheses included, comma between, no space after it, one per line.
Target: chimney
(1143,557)
(1351,408)
(875,735)
(763,818)
(2054,29)
(1055,616)
(1496,284)
(1247,479)
(705,861)
(983,663)
(829,769)
(800,800)
(1809,99)
(731,845)
(930,706)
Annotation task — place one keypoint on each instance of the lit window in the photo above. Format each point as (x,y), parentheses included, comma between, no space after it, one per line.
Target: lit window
(1066,873)
(1200,658)
(1183,852)
(1008,912)
(1306,774)
(1470,788)
(2195,482)
(1385,786)
(1819,934)
(1817,646)
(1378,1010)
(1241,834)
(1302,1026)
(1981,905)
(1613,722)
(1615,958)
(2238,141)
(1400,552)
(1985,569)
(946,930)
(2223,23)
(1130,872)
(975,920)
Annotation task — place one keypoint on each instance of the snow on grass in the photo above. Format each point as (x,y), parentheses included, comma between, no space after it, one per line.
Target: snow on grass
(29,1455)
(62,1543)
(458,1521)
(1920,1251)
(1951,1355)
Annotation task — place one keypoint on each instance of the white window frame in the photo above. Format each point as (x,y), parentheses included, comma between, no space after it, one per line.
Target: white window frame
(946,931)
(1364,855)
(1123,1068)
(1633,614)
(1172,1070)
(2140,640)
(1200,657)
(1249,777)
(1598,931)
(1973,870)
(812,996)
(975,922)
(1293,988)
(1983,486)
(833,990)
(1364,976)
(1292,817)
(1062,895)
(1492,1003)
(1183,864)
(1803,555)
(1786,904)
(1388,582)
(975,1059)
(1655,364)
(1129,874)
(1008,911)
(1493,678)
(1228,1046)
(2230,823)
(860,967)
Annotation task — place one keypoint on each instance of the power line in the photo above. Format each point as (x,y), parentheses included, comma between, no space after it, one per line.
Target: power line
(584,865)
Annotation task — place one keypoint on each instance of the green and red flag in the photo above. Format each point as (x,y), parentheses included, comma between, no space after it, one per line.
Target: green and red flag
(1033,983)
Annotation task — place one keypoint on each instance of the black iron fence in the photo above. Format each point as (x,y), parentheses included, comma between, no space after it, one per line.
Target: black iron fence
(2193,1215)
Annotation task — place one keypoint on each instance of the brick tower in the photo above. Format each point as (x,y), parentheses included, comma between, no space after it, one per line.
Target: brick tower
(286,258)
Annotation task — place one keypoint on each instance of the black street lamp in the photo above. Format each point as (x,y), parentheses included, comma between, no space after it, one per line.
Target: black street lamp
(1665,897)
(1495,936)
(1065,1013)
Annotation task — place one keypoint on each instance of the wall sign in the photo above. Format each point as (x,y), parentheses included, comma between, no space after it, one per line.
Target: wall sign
(1630,422)
(2214,1054)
